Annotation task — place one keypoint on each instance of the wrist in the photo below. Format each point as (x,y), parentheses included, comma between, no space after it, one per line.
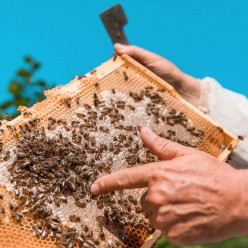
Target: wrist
(240,213)
(190,89)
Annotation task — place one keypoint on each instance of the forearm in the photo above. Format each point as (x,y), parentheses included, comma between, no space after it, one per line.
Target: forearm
(231,111)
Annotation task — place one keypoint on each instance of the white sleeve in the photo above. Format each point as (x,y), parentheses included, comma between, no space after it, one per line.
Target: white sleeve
(230,109)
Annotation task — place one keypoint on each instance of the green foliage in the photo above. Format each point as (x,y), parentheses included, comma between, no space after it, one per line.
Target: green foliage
(241,242)
(25,90)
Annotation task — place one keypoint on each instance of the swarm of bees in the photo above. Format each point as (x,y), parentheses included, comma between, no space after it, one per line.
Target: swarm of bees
(54,166)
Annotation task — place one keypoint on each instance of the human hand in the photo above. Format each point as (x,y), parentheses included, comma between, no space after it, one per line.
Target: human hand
(192,197)
(186,85)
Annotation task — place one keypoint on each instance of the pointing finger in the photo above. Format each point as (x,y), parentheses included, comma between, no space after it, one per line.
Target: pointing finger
(130,178)
(163,148)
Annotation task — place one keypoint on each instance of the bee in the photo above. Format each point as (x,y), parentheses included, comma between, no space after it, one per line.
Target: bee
(172,111)
(96,84)
(122,117)
(52,121)
(80,77)
(63,199)
(27,128)
(128,128)
(89,234)
(55,218)
(102,235)
(27,114)
(7,117)
(96,100)
(17,193)
(171,133)
(66,127)
(230,147)
(198,133)
(80,240)
(104,129)
(53,226)
(220,129)
(161,90)
(7,156)
(59,122)
(32,123)
(131,107)
(125,76)
(74,218)
(136,97)
(90,242)
(93,71)
(85,228)
(11,128)
(1,197)
(78,100)
(87,106)
(16,217)
(114,57)
(67,102)
(170,121)
(240,137)
(27,202)
(148,88)
(113,91)
(52,234)
(49,127)
(132,200)
(44,234)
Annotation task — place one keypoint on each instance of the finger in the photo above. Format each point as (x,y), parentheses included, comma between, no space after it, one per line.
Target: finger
(163,148)
(135,177)
(144,204)
(141,55)
(150,209)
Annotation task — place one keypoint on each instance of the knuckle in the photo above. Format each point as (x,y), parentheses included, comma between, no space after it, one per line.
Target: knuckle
(161,224)
(155,175)
(173,237)
(154,201)
(122,181)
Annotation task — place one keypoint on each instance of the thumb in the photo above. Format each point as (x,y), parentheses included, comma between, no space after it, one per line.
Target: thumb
(139,54)
(163,148)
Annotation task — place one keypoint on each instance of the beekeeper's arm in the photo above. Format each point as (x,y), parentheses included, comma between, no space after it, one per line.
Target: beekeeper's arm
(231,111)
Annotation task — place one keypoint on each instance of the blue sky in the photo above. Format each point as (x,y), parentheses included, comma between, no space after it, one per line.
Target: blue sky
(203,37)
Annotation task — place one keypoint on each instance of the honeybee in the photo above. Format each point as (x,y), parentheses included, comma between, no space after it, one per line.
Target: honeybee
(125,76)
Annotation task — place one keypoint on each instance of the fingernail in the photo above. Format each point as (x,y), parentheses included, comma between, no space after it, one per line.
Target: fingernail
(150,133)
(120,46)
(94,189)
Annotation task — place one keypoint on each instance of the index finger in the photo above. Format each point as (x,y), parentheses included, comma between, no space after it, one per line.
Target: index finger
(130,178)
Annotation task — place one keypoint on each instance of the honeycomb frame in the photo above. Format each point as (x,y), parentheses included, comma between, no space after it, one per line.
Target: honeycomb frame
(114,74)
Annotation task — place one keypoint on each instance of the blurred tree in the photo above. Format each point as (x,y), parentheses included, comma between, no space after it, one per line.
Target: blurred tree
(25,90)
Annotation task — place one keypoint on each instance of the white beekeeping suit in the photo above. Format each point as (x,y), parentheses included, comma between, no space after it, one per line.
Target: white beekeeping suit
(229,109)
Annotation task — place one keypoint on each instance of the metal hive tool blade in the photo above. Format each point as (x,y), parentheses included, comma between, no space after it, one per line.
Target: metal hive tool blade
(114,20)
